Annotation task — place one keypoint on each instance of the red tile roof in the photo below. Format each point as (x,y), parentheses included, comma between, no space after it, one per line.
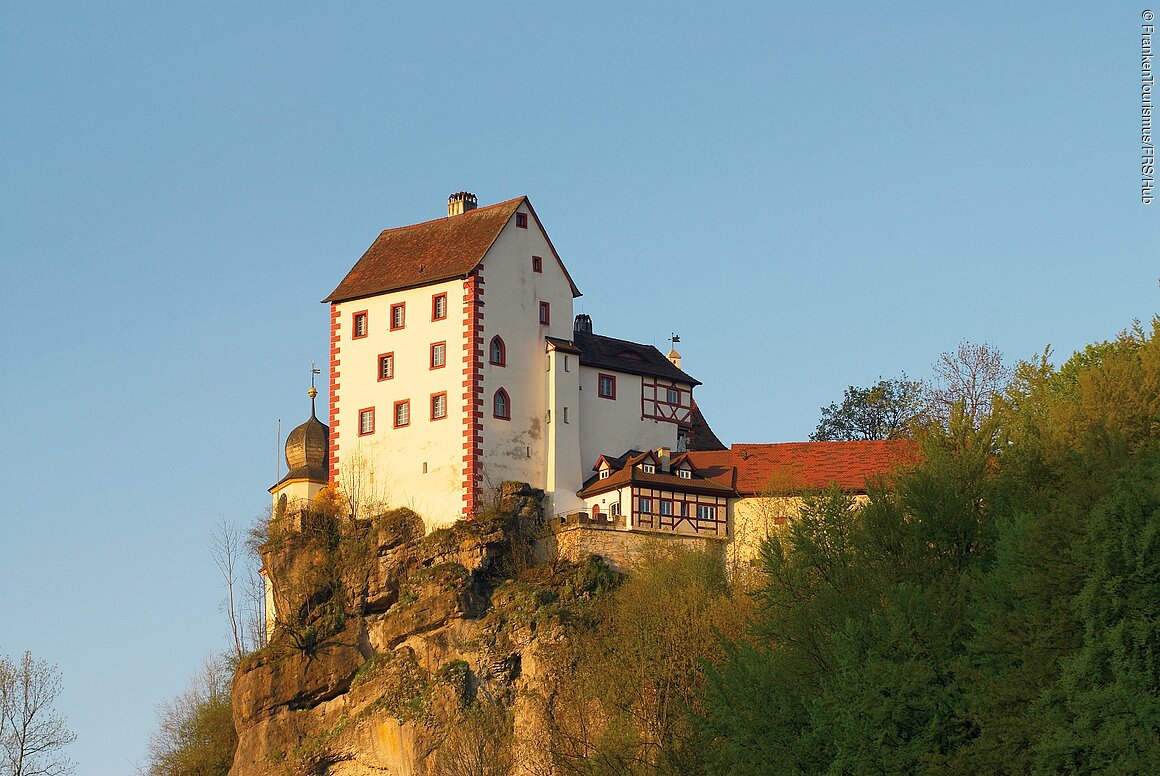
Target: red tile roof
(430,252)
(795,466)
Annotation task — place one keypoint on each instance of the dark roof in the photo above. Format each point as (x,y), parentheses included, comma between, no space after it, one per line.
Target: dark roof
(562,345)
(701,437)
(623,356)
(431,252)
(795,466)
(712,479)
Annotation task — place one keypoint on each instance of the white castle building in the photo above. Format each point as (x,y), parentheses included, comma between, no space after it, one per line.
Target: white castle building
(456,363)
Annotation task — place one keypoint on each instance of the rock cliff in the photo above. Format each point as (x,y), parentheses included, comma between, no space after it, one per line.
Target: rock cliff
(399,653)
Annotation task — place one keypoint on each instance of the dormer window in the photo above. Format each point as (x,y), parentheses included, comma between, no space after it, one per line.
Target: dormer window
(684,474)
(649,468)
(605,473)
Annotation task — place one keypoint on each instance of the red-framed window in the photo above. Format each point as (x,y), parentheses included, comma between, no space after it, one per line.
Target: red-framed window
(386,366)
(545,313)
(537,264)
(398,315)
(438,355)
(439,405)
(359,325)
(438,307)
(497,352)
(522,220)
(501,405)
(402,413)
(606,386)
(366,421)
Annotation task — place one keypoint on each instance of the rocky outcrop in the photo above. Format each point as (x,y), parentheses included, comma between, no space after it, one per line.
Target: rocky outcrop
(396,652)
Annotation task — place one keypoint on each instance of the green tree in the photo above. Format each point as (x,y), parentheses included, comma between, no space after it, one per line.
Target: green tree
(640,671)
(1110,688)
(885,410)
(195,733)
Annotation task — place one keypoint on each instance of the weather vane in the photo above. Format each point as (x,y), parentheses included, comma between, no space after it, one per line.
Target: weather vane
(314,370)
(674,339)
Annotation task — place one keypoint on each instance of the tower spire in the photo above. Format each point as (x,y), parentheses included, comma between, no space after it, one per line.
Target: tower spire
(314,370)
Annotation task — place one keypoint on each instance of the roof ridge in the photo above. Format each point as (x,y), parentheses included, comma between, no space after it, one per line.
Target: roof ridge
(461,215)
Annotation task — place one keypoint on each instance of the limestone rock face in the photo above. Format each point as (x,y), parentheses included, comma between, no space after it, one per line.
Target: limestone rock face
(388,641)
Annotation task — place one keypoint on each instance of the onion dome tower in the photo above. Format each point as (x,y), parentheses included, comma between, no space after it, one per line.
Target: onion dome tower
(307,457)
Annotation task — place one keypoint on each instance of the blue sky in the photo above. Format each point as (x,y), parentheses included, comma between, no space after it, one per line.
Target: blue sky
(810,197)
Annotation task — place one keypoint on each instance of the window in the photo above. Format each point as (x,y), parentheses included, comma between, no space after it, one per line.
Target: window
(398,315)
(439,355)
(439,406)
(386,366)
(545,313)
(666,508)
(614,508)
(366,421)
(502,405)
(605,473)
(649,468)
(706,512)
(564,417)
(522,220)
(606,386)
(359,325)
(497,352)
(537,264)
(673,396)
(684,474)
(438,307)
(644,505)
(402,413)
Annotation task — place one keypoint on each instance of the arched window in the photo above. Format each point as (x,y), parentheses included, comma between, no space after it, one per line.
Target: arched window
(497,352)
(502,405)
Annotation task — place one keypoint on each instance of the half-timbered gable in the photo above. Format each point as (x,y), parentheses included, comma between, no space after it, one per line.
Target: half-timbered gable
(646,491)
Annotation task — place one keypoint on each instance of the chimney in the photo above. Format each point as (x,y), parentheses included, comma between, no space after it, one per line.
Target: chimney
(664,454)
(583,323)
(460,202)
(675,357)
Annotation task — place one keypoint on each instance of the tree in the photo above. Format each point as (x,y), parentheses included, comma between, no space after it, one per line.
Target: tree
(885,410)
(970,377)
(32,733)
(195,733)
(245,604)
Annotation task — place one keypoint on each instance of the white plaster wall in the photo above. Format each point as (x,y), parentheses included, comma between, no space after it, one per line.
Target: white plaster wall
(563,451)
(612,426)
(299,493)
(517,449)
(623,496)
(388,464)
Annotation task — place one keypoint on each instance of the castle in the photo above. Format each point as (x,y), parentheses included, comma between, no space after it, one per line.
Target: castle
(457,363)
